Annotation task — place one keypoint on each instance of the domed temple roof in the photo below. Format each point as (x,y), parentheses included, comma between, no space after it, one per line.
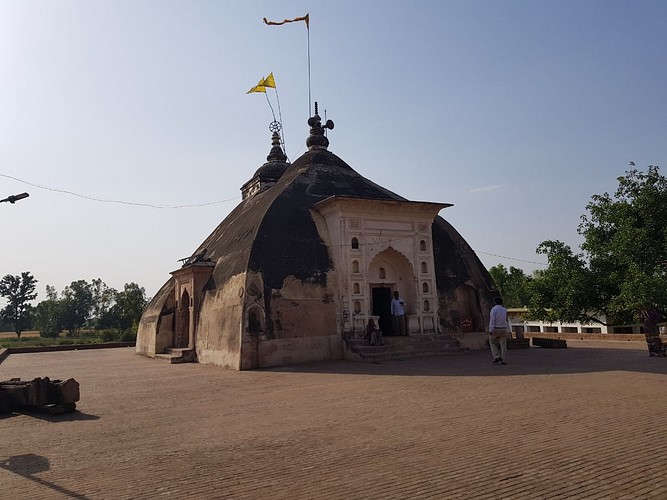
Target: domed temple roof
(273,231)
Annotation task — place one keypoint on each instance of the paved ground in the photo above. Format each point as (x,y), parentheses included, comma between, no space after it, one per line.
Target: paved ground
(583,422)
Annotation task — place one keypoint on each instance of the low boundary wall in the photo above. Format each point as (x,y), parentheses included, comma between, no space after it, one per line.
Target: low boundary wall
(67,347)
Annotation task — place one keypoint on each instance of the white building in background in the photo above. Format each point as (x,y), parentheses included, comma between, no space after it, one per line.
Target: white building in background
(517,316)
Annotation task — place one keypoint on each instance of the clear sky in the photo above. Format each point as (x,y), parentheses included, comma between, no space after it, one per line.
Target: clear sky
(517,112)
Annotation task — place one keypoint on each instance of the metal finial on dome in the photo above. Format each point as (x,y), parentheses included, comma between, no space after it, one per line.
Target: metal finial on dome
(317,139)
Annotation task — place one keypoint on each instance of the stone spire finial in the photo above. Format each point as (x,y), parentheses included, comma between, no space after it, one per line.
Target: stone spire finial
(277,154)
(317,139)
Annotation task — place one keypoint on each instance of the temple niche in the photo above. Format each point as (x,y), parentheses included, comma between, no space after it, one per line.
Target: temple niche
(312,252)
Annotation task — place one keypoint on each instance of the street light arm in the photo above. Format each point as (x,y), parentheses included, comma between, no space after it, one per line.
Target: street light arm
(15,197)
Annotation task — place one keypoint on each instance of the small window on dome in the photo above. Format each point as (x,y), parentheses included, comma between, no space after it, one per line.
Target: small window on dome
(383,274)
(355,244)
(355,266)
(422,246)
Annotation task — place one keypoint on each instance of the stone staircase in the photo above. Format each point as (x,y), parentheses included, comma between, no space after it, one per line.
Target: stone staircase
(413,346)
(175,355)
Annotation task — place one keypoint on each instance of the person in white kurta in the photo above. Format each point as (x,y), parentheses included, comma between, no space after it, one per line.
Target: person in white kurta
(498,328)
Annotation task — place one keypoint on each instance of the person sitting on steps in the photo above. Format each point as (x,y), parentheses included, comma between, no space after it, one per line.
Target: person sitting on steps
(373,333)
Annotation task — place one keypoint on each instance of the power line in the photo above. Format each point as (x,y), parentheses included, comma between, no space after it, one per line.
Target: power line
(121,202)
(149,205)
(512,258)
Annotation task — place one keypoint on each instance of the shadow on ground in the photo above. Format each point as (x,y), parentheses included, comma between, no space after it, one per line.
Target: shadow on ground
(578,358)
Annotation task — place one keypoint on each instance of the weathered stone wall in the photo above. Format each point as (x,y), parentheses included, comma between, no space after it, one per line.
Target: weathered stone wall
(218,331)
(289,351)
(149,340)
(301,316)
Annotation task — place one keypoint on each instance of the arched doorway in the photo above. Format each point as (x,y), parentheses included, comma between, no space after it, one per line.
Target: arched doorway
(390,271)
(183,328)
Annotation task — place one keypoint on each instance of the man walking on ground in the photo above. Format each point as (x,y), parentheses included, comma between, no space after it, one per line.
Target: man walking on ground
(398,315)
(498,326)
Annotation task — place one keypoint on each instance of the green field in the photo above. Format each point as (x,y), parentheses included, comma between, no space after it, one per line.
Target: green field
(32,338)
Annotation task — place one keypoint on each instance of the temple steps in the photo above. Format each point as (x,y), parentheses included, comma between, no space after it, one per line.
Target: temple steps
(413,346)
(175,355)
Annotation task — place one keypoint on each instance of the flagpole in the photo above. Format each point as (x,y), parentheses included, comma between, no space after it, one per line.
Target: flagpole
(280,117)
(309,98)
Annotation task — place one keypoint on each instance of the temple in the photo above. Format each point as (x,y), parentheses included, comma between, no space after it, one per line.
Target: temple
(311,252)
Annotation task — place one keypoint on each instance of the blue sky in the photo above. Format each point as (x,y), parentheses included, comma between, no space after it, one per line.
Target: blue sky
(517,112)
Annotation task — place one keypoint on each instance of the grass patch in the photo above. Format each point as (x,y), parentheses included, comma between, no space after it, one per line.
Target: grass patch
(44,341)
(89,337)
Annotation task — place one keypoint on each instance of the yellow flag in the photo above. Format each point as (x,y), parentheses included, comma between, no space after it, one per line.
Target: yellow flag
(305,18)
(269,81)
(260,87)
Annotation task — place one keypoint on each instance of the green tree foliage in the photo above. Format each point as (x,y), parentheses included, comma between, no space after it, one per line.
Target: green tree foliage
(128,306)
(47,317)
(19,291)
(76,305)
(103,297)
(622,267)
(558,292)
(81,300)
(512,285)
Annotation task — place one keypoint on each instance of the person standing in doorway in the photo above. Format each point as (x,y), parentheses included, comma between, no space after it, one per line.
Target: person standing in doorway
(498,327)
(398,315)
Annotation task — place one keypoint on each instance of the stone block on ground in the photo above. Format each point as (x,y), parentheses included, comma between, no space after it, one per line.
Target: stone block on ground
(518,343)
(38,392)
(551,343)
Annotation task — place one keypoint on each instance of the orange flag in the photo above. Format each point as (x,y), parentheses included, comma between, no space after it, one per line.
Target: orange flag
(305,18)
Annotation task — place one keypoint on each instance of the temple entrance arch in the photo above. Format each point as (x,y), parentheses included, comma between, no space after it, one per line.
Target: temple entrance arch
(390,271)
(470,312)
(183,323)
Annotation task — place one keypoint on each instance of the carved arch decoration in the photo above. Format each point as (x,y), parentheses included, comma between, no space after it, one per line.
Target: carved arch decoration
(399,275)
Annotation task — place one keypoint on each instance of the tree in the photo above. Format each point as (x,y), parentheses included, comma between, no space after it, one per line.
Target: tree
(103,297)
(76,303)
(626,241)
(127,309)
(47,316)
(512,285)
(19,291)
(622,266)
(563,291)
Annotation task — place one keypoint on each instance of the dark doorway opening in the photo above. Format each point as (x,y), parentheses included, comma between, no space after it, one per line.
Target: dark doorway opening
(183,330)
(382,308)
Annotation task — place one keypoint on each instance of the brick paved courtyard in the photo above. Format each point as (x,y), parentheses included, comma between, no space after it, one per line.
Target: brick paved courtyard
(583,422)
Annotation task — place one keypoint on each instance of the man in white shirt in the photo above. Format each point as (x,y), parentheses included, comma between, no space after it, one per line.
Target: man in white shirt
(498,327)
(398,315)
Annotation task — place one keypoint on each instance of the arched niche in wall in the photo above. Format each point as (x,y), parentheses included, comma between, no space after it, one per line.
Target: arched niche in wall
(469,308)
(255,317)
